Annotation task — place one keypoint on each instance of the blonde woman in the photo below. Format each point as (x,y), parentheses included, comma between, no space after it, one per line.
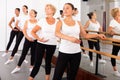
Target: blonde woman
(114,27)
(46,41)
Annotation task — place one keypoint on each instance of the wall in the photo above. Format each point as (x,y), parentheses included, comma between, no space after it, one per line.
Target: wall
(7,11)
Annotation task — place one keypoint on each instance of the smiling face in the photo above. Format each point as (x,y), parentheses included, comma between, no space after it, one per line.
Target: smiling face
(68,10)
(24,9)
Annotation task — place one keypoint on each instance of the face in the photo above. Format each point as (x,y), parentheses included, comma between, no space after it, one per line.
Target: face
(16,12)
(24,9)
(48,10)
(32,13)
(67,10)
(94,16)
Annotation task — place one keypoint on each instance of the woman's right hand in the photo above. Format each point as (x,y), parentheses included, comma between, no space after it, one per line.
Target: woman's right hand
(75,40)
(30,39)
(43,40)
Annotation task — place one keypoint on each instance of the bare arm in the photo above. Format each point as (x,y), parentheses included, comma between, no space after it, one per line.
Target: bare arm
(10,23)
(25,31)
(86,25)
(110,30)
(87,36)
(63,36)
(34,31)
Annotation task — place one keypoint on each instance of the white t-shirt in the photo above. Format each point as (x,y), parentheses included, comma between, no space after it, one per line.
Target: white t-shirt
(22,18)
(116,28)
(66,46)
(47,32)
(94,27)
(30,26)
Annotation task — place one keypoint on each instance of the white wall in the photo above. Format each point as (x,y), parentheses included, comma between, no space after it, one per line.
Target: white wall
(7,11)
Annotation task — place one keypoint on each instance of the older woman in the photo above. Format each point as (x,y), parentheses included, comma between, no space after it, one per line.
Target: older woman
(114,27)
(46,41)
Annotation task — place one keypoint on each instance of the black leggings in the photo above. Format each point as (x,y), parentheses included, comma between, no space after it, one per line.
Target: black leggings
(12,36)
(27,45)
(91,46)
(40,50)
(20,36)
(115,51)
(64,61)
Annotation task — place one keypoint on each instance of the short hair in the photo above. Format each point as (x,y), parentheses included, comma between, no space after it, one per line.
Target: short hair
(114,12)
(52,7)
(17,9)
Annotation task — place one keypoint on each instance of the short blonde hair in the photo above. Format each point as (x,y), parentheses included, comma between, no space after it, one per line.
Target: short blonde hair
(114,12)
(52,7)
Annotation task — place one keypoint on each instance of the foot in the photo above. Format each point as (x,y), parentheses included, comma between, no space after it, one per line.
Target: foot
(25,61)
(102,61)
(4,54)
(15,70)
(30,69)
(85,55)
(17,54)
(116,73)
(9,61)
(91,64)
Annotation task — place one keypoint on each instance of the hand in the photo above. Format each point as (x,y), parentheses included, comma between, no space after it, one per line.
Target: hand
(43,40)
(30,39)
(102,36)
(74,40)
(14,29)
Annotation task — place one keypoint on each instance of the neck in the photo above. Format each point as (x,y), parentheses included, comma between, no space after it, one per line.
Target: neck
(25,13)
(68,18)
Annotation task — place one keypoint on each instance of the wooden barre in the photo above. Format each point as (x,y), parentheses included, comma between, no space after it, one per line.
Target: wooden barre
(102,53)
(101,32)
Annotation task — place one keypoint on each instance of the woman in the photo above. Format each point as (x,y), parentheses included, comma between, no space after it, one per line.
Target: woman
(46,41)
(14,31)
(30,42)
(19,24)
(69,31)
(93,24)
(114,28)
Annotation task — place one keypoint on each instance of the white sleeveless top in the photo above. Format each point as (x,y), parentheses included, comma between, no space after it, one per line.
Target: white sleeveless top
(66,46)
(94,27)
(47,32)
(22,18)
(116,28)
(30,26)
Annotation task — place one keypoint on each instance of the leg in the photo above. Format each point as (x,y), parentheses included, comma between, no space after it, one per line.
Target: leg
(50,49)
(61,64)
(40,49)
(12,36)
(74,66)
(33,47)
(20,36)
(97,47)
(91,45)
(26,47)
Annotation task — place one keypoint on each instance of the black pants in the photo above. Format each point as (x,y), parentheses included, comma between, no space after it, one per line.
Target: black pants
(115,51)
(12,36)
(20,36)
(91,46)
(27,45)
(64,61)
(40,50)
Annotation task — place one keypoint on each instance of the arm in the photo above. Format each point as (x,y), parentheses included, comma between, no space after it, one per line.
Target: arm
(10,23)
(63,36)
(86,25)
(25,33)
(87,36)
(110,30)
(34,31)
